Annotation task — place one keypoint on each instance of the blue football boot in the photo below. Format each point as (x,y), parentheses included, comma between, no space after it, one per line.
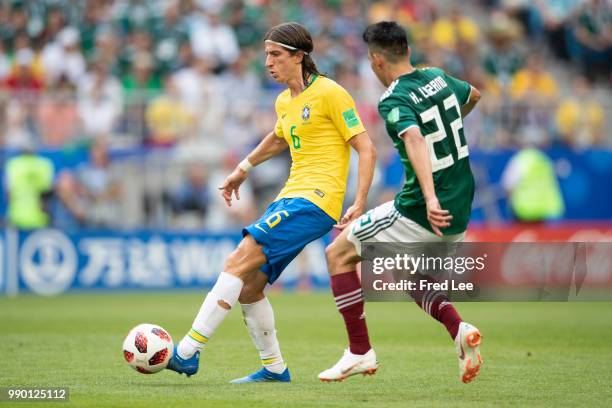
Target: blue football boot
(184,366)
(264,375)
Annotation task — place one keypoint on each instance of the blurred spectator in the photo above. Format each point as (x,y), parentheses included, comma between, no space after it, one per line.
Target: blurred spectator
(504,56)
(213,40)
(134,15)
(530,181)
(106,50)
(200,90)
(580,116)
(534,83)
(142,78)
(168,119)
(16,24)
(5,63)
(448,32)
(592,35)
(63,57)
(57,114)
(54,22)
(184,59)
(90,26)
(22,81)
(330,55)
(100,101)
(239,80)
(169,33)
(22,43)
(138,43)
(29,181)
(526,13)
(242,212)
(17,133)
(140,86)
(351,20)
(534,94)
(190,202)
(68,207)
(555,16)
(243,20)
(101,188)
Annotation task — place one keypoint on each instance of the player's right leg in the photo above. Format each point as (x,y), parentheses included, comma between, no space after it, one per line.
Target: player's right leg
(283,231)
(359,357)
(240,265)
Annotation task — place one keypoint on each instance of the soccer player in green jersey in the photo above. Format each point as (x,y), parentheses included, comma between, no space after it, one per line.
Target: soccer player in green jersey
(423,110)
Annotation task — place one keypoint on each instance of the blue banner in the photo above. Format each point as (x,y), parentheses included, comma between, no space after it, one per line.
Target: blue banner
(3,262)
(51,262)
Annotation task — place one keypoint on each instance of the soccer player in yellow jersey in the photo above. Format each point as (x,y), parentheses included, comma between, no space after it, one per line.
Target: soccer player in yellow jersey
(318,122)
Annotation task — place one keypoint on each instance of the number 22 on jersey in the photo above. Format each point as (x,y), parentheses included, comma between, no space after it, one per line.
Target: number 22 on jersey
(433,113)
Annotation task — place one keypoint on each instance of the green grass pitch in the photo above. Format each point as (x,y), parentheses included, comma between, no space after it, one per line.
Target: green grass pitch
(536,354)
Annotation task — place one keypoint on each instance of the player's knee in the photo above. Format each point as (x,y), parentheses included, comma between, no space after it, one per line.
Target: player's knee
(330,252)
(250,295)
(244,260)
(253,289)
(333,254)
(232,262)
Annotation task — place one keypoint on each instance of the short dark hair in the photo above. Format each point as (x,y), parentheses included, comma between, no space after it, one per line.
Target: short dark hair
(387,38)
(297,36)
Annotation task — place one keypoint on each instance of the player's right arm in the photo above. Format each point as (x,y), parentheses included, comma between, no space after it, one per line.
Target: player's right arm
(270,146)
(418,154)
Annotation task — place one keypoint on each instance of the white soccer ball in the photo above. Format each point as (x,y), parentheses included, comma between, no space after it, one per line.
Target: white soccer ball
(148,348)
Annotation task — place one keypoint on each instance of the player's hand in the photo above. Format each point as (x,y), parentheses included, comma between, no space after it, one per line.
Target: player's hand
(232,184)
(353,212)
(437,217)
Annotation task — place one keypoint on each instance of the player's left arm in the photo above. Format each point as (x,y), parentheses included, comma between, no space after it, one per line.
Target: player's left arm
(367,160)
(418,153)
(473,99)
(467,95)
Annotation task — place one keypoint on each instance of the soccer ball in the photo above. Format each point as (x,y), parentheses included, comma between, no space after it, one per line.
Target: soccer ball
(148,348)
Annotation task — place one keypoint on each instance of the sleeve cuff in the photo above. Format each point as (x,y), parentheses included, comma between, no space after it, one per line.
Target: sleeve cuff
(399,134)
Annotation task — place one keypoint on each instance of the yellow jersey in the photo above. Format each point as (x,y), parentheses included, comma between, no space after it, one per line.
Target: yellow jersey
(317,125)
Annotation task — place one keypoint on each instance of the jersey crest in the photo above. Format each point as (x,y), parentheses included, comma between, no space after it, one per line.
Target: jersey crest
(306,112)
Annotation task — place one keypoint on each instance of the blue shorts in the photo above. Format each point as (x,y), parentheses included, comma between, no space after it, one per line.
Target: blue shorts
(284,230)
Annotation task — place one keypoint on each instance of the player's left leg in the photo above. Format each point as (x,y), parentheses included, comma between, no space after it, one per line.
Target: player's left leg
(436,303)
(259,319)
(467,337)
(239,267)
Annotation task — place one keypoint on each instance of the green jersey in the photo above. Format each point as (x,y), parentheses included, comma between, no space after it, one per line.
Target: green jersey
(431,100)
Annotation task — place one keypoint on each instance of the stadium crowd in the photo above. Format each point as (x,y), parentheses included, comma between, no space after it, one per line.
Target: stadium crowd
(181,84)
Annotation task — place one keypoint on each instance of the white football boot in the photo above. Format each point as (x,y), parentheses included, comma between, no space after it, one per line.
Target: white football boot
(351,364)
(467,344)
